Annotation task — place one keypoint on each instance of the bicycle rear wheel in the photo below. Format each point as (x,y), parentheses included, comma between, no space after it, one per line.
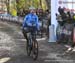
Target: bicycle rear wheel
(35,50)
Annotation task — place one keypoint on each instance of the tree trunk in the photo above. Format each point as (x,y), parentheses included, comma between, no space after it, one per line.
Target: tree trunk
(48,3)
(41,3)
(8,5)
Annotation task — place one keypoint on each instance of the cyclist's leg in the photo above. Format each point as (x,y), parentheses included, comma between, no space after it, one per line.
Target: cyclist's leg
(34,35)
(34,39)
(25,34)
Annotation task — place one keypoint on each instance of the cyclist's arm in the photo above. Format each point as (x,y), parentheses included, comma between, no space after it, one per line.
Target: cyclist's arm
(23,24)
(26,20)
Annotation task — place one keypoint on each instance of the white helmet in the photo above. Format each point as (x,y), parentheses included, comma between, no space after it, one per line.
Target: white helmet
(31,8)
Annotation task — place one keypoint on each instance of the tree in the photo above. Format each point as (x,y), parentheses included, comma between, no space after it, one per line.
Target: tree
(40,3)
(25,4)
(48,3)
(8,5)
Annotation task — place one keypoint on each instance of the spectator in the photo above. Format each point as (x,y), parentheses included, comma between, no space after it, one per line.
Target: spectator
(48,21)
(59,19)
(60,10)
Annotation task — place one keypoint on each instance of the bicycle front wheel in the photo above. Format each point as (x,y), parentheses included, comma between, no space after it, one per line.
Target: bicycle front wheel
(28,48)
(35,50)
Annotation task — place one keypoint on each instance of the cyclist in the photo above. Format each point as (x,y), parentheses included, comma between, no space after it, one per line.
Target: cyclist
(27,23)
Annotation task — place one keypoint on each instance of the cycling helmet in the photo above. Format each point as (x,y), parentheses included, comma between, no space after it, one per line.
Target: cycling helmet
(31,8)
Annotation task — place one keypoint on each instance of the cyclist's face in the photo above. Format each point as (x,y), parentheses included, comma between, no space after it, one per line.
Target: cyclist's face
(32,11)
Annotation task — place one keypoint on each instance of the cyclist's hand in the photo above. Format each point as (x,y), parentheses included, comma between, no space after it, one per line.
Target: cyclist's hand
(29,24)
(22,28)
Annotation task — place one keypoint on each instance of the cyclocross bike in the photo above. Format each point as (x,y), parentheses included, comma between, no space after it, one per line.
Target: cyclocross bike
(32,44)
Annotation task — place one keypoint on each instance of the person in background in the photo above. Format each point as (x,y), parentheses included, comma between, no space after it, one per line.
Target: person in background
(48,21)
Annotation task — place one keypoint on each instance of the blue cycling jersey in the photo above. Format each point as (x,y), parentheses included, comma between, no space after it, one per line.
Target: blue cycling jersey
(29,19)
